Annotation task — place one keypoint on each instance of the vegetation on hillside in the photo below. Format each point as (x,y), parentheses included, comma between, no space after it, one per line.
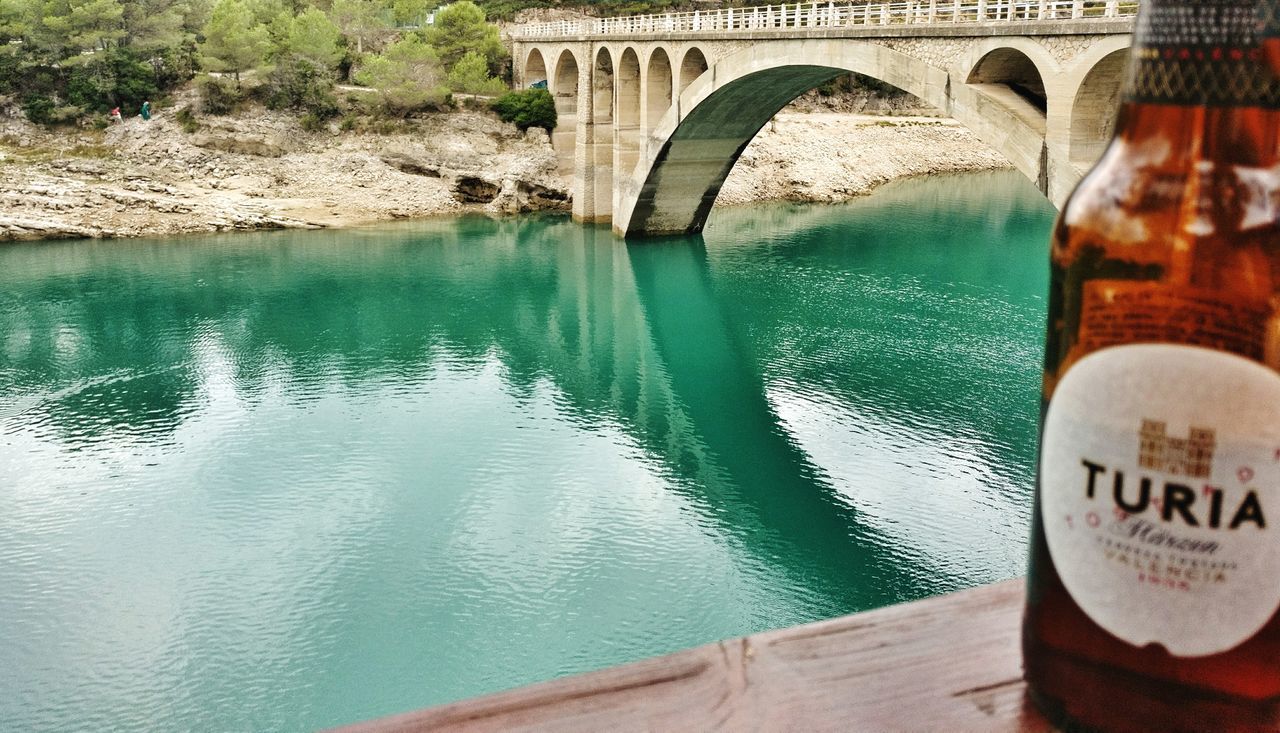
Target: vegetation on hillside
(74,60)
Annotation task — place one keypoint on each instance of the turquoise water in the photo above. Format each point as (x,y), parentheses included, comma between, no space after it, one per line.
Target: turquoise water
(290,480)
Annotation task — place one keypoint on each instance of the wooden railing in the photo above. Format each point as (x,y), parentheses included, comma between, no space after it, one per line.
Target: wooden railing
(815,15)
(947,663)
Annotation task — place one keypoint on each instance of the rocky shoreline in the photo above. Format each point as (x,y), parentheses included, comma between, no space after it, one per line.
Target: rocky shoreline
(265,172)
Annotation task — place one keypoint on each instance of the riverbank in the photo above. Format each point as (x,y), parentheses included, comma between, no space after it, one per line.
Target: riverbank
(264,171)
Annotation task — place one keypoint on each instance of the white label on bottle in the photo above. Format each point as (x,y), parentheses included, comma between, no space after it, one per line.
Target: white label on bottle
(1159,481)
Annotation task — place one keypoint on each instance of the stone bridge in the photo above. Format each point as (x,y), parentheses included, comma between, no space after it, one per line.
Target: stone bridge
(655,110)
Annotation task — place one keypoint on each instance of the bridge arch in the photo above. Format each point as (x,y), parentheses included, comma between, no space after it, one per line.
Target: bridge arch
(535,67)
(692,65)
(657,87)
(564,87)
(627,119)
(1100,72)
(687,156)
(602,120)
(1014,70)
(602,88)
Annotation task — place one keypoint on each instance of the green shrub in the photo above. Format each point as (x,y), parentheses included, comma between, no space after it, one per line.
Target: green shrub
(311,122)
(300,83)
(218,95)
(117,77)
(38,108)
(187,119)
(527,108)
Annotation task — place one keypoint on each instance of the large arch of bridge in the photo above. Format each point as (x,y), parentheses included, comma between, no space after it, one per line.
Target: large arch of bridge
(689,153)
(1093,90)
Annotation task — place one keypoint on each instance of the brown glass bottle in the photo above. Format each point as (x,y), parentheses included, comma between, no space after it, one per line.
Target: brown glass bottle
(1172,238)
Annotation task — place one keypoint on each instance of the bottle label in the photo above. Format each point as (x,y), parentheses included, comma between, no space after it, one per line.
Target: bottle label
(1116,312)
(1205,52)
(1159,480)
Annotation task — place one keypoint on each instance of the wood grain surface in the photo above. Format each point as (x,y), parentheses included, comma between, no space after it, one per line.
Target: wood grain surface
(949,663)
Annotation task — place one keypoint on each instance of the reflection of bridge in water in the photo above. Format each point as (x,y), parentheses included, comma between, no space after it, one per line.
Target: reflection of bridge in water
(655,110)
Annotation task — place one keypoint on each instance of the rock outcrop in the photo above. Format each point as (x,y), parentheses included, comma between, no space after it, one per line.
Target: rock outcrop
(262,171)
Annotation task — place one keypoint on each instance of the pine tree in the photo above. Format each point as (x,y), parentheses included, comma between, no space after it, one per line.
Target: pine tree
(461,28)
(233,40)
(360,20)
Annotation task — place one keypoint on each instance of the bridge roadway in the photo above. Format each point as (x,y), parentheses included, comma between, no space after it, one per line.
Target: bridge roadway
(655,110)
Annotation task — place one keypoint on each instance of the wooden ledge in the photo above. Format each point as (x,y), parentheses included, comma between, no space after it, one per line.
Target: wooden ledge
(951,662)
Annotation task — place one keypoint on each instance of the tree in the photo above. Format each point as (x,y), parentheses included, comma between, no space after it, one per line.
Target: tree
(407,76)
(234,41)
(471,76)
(67,27)
(150,26)
(411,12)
(361,20)
(460,28)
(14,24)
(313,36)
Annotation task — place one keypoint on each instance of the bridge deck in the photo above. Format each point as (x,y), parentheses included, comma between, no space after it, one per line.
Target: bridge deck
(947,662)
(893,18)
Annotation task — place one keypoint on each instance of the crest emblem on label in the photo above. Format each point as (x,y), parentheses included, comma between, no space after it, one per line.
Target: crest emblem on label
(1159,474)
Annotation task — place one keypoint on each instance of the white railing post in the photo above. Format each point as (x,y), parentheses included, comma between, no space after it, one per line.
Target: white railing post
(933,11)
(1077,9)
(982,11)
(1113,8)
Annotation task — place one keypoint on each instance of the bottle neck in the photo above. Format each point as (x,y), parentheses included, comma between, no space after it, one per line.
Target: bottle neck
(1206,53)
(1178,136)
(1201,85)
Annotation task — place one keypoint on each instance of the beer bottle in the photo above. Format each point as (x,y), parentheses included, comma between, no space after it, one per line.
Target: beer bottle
(1154,579)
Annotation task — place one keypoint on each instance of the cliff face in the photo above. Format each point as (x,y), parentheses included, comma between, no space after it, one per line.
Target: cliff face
(263,171)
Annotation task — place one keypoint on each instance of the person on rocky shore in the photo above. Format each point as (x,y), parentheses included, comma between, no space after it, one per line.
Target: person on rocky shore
(146,111)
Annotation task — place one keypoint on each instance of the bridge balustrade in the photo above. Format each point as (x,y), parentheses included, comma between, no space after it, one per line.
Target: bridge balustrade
(830,15)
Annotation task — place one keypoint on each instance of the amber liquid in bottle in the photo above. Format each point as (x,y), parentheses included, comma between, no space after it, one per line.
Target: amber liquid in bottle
(1172,238)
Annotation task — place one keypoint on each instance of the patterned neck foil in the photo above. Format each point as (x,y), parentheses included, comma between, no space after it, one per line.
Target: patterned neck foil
(1209,53)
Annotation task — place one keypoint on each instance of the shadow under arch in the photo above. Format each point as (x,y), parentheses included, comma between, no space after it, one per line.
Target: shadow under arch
(1014,70)
(686,157)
